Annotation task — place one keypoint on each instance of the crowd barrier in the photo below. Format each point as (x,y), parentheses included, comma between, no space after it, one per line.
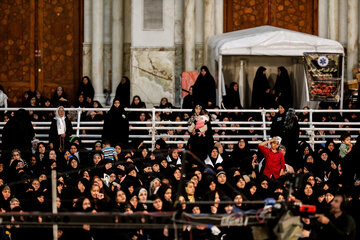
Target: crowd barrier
(152,129)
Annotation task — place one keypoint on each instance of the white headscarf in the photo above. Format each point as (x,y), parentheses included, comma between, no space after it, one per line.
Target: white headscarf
(60,122)
(3,99)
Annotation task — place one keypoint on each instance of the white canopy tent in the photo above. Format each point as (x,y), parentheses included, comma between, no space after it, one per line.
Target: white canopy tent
(235,56)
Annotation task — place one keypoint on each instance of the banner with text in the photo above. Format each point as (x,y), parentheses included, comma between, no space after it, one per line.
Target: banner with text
(324,75)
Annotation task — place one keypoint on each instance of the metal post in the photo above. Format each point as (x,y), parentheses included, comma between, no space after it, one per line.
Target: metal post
(263,114)
(153,129)
(78,121)
(312,136)
(53,201)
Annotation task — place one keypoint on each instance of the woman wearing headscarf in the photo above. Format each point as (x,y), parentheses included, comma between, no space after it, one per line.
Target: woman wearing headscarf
(204,89)
(116,125)
(59,98)
(261,89)
(60,131)
(123,91)
(3,100)
(233,96)
(282,88)
(86,88)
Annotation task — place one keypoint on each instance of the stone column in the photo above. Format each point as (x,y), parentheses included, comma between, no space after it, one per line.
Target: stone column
(189,35)
(117,43)
(97,49)
(87,39)
(334,19)
(209,24)
(107,44)
(323,18)
(219,17)
(343,22)
(353,37)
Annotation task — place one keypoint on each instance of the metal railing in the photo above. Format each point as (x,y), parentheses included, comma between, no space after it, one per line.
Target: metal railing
(90,131)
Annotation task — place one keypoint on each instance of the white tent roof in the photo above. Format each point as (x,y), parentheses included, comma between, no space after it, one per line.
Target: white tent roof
(268,40)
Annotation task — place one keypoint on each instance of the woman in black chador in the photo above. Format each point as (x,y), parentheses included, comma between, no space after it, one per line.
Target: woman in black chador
(204,90)
(86,88)
(282,88)
(232,99)
(123,91)
(116,125)
(261,89)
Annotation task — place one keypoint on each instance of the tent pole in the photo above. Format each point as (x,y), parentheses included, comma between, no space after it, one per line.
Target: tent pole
(342,84)
(220,81)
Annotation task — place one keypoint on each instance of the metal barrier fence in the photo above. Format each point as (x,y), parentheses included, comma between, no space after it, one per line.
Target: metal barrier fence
(90,131)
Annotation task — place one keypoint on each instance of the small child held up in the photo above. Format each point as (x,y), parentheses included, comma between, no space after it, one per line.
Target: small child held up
(109,152)
(346,145)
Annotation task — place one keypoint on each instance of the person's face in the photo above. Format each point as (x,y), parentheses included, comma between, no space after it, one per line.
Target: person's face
(136,101)
(81,186)
(195,180)
(264,72)
(35,184)
(120,197)
(198,174)
(168,194)
(310,159)
(85,81)
(229,208)
(214,153)
(347,141)
(274,145)
(117,103)
(52,155)
(133,173)
(59,91)
(157,183)
(177,174)
(281,109)
(238,200)
(112,177)
(335,204)
(163,101)
(221,179)
(175,154)
(203,72)
(279,72)
(331,146)
(158,204)
(142,117)
(81,98)
(253,190)
(241,183)
(212,186)
(96,159)
(61,112)
(236,87)
(14,204)
(16,156)
(144,152)
(329,197)
(74,163)
(264,184)
(95,105)
(306,151)
(33,101)
(283,150)
(242,144)
(324,156)
(143,196)
(95,190)
(190,188)
(42,177)
(86,175)
(321,198)
(156,167)
(164,163)
(308,190)
(86,204)
(311,180)
(196,210)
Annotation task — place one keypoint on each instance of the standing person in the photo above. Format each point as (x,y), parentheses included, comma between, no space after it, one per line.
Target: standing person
(189,100)
(261,89)
(204,89)
(86,88)
(60,131)
(274,159)
(233,96)
(116,125)
(338,225)
(123,91)
(18,134)
(291,135)
(282,88)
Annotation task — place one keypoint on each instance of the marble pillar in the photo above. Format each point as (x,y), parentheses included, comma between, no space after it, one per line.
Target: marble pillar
(107,45)
(209,24)
(323,18)
(333,19)
(87,39)
(343,22)
(97,49)
(189,35)
(117,43)
(219,17)
(353,37)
